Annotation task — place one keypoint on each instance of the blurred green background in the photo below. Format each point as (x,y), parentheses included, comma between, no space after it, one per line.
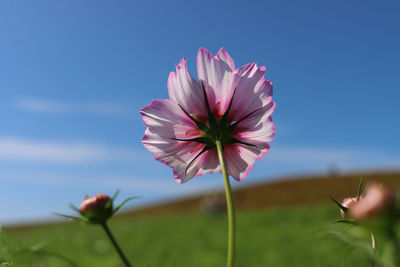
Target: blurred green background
(275,227)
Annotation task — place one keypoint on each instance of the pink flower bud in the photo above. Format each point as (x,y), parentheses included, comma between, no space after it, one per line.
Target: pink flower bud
(96,209)
(375,200)
(348,203)
(94,203)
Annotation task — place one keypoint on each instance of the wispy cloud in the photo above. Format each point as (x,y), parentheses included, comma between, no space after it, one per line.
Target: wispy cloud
(347,157)
(299,154)
(17,149)
(144,185)
(60,107)
(20,149)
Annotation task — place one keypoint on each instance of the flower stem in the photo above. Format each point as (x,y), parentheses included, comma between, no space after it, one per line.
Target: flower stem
(230,207)
(115,244)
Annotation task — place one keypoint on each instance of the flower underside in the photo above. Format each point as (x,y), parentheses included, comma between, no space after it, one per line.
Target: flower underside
(214,129)
(225,105)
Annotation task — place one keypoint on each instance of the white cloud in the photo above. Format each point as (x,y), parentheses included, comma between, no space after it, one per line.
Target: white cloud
(58,107)
(322,157)
(17,149)
(142,185)
(313,154)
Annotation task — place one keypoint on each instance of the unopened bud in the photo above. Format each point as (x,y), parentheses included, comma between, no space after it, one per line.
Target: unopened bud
(97,209)
(348,203)
(376,200)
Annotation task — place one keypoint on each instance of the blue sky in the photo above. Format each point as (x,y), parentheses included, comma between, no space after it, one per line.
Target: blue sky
(74,75)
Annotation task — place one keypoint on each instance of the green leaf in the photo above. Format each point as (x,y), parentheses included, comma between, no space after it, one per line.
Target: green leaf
(347,221)
(115,194)
(123,203)
(69,217)
(109,204)
(339,205)
(359,188)
(73,207)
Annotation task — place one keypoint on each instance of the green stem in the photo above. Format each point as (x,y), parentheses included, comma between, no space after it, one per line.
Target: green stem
(115,244)
(230,207)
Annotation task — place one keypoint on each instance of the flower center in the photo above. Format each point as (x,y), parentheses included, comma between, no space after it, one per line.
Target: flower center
(216,129)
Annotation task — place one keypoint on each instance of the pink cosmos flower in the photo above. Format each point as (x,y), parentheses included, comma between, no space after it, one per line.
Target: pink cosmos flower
(376,200)
(94,203)
(97,209)
(227,104)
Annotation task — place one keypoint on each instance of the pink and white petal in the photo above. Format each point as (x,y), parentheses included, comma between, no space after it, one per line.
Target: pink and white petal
(224,56)
(160,145)
(251,90)
(185,90)
(216,73)
(210,163)
(264,92)
(264,133)
(240,158)
(206,163)
(167,119)
(257,128)
(183,172)
(252,121)
(175,154)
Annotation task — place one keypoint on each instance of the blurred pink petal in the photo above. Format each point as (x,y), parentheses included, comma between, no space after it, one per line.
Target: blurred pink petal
(95,203)
(376,200)
(348,203)
(226,104)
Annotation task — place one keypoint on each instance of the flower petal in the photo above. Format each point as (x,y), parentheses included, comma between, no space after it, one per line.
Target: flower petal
(240,158)
(178,155)
(175,154)
(186,91)
(207,163)
(252,91)
(216,73)
(168,120)
(171,123)
(258,128)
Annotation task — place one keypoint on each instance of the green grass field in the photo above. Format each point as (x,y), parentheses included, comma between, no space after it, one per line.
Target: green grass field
(278,224)
(274,237)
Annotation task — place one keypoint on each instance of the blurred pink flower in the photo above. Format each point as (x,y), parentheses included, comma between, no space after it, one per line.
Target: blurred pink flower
(94,203)
(375,200)
(96,209)
(231,105)
(348,203)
